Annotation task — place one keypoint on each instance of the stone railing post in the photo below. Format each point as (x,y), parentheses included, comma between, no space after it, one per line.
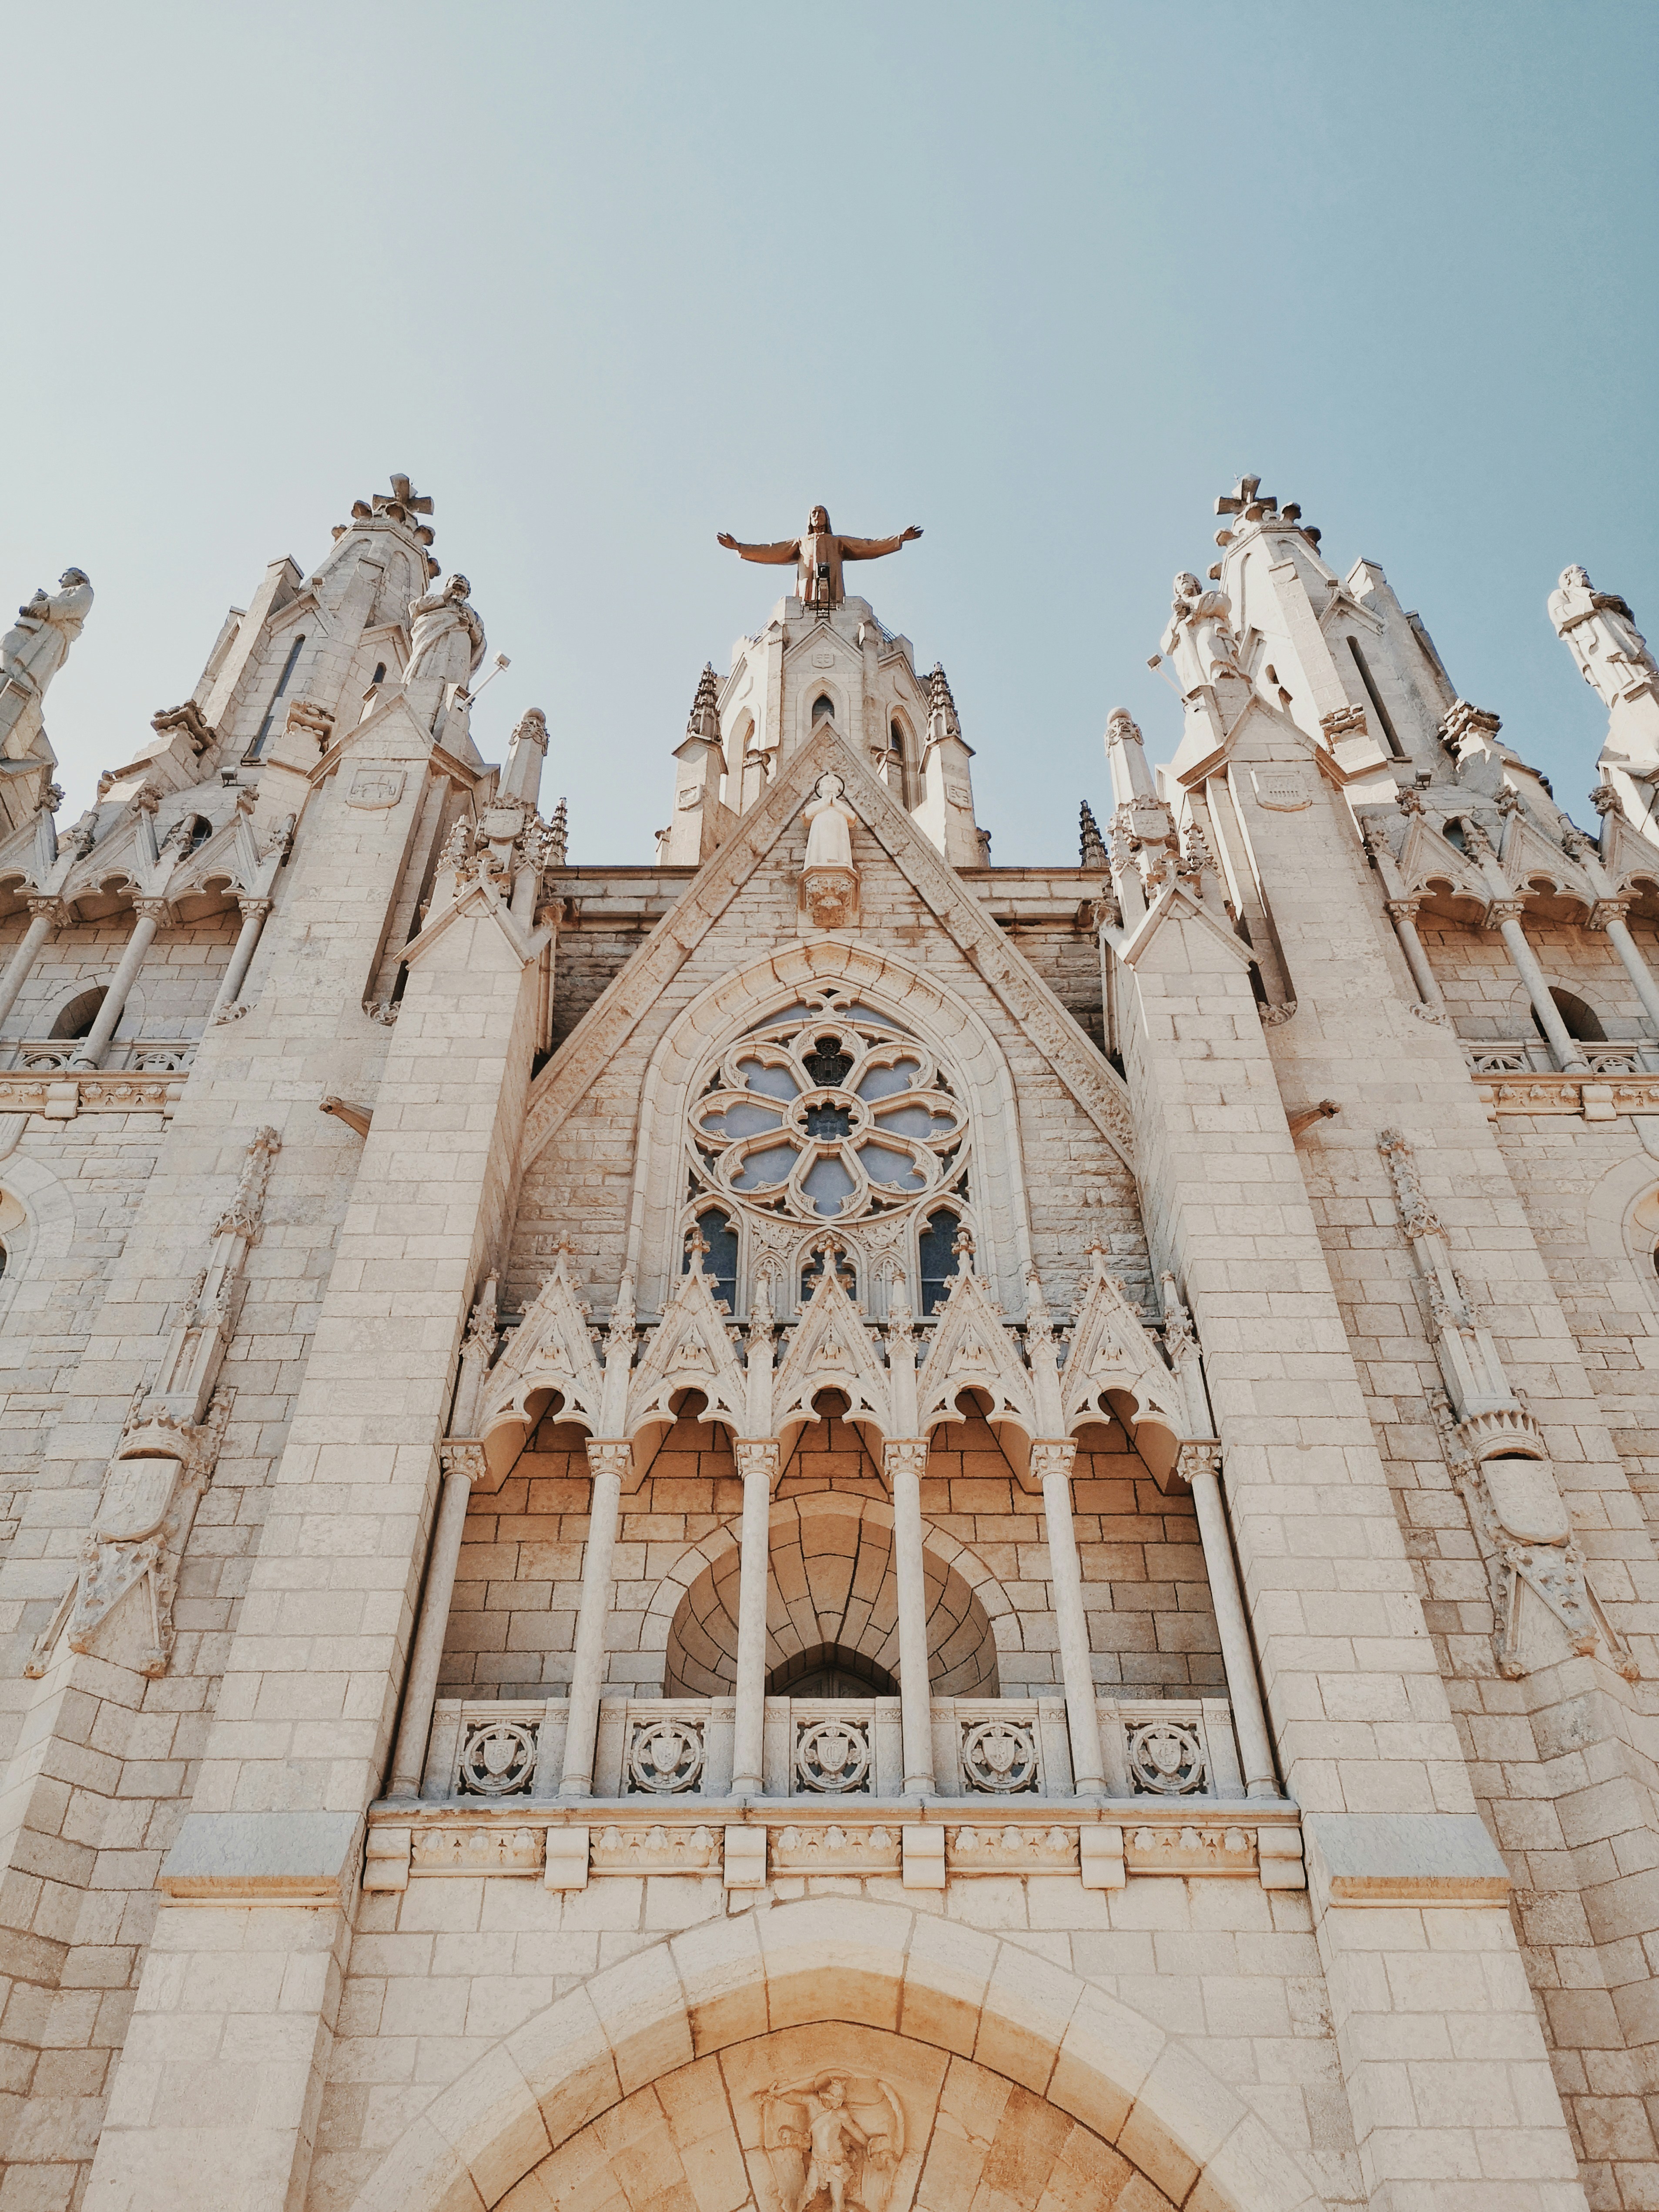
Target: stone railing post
(757,1463)
(1053,1462)
(608,1458)
(904,1459)
(1200,1464)
(463,1465)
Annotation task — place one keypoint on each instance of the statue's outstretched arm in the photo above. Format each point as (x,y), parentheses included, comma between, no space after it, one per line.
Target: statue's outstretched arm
(787,550)
(871,549)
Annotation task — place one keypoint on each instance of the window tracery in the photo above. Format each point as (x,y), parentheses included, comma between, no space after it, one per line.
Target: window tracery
(827,1123)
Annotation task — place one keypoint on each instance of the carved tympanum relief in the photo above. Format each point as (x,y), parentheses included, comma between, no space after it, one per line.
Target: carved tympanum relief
(837,2137)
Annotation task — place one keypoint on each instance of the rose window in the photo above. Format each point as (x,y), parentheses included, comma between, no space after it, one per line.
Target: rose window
(828,1112)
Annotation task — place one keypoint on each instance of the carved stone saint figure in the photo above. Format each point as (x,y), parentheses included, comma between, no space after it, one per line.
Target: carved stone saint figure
(1199,639)
(829,822)
(818,554)
(447,638)
(36,647)
(818,2149)
(1600,632)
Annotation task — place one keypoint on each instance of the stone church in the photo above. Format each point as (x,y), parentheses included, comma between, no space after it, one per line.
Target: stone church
(809,1524)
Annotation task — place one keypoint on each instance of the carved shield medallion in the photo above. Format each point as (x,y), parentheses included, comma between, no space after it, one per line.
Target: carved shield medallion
(1283,789)
(136,1499)
(1526,1500)
(376,787)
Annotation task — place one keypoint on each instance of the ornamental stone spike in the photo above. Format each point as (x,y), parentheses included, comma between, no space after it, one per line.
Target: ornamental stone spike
(704,720)
(1092,852)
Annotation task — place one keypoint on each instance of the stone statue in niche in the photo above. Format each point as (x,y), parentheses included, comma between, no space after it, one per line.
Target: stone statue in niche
(446,636)
(32,651)
(819,553)
(1199,638)
(1599,631)
(837,2137)
(829,880)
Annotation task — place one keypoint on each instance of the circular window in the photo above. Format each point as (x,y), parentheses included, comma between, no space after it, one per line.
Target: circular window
(828,1112)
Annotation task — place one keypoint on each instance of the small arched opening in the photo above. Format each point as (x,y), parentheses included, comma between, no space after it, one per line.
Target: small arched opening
(75,1019)
(1580,1020)
(824,708)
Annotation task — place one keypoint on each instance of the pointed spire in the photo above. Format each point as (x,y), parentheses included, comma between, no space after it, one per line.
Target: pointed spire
(940,701)
(705,717)
(1093,845)
(1131,778)
(521,778)
(558,832)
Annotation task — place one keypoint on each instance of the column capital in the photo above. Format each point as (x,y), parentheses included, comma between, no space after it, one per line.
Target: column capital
(463,1455)
(45,906)
(908,1455)
(1054,1455)
(609,1456)
(1606,910)
(1402,909)
(757,1456)
(254,908)
(1197,1456)
(1502,910)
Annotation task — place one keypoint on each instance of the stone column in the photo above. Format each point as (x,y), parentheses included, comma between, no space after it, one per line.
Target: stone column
(93,1046)
(44,916)
(757,1463)
(463,1464)
(1403,914)
(1053,1463)
(1200,1463)
(1623,944)
(608,1459)
(1504,915)
(254,911)
(904,1458)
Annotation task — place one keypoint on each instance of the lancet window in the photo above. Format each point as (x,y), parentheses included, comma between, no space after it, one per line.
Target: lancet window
(829,1120)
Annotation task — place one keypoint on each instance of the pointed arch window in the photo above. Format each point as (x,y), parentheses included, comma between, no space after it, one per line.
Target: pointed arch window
(936,1255)
(720,1261)
(824,708)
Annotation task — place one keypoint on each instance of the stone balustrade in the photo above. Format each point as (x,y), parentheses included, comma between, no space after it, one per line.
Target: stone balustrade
(1011,1749)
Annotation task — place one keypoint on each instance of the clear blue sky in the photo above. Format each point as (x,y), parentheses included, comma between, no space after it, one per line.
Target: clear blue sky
(1042,278)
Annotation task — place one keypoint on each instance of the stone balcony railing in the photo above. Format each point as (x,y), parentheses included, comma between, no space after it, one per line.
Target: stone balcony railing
(124,1055)
(1005,1748)
(1531,1056)
(1002,1800)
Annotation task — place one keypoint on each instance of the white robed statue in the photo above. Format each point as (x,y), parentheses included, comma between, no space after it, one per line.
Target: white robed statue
(1599,631)
(446,637)
(31,653)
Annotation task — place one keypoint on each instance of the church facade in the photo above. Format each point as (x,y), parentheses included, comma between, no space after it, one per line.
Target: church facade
(822,1525)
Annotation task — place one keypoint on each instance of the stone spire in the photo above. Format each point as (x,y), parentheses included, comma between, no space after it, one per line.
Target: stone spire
(939,702)
(558,832)
(521,778)
(704,720)
(1093,852)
